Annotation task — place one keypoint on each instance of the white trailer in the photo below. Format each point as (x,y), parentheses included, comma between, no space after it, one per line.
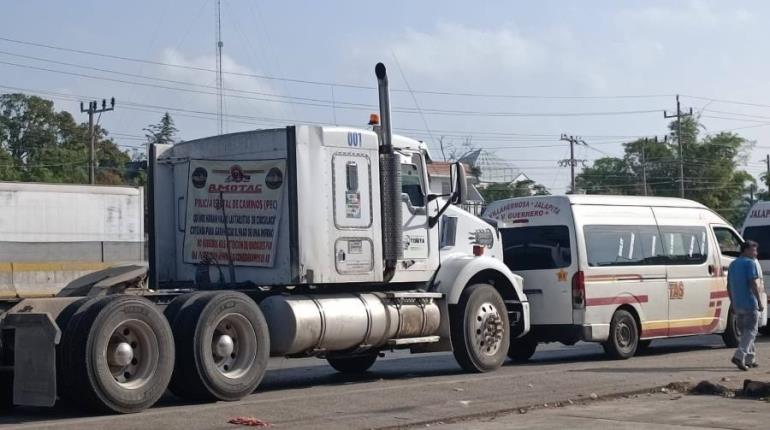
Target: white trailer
(294,242)
(52,234)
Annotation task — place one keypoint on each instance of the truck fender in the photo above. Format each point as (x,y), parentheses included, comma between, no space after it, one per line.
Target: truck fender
(455,273)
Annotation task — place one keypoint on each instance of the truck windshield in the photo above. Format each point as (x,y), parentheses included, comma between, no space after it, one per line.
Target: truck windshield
(535,248)
(761,235)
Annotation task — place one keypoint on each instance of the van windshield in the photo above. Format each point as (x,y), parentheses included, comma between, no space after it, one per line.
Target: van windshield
(535,248)
(761,235)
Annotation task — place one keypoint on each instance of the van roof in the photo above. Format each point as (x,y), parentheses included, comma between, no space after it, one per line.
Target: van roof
(594,199)
(608,200)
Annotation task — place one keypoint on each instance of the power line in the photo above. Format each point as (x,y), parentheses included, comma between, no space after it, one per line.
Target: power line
(350,106)
(322,83)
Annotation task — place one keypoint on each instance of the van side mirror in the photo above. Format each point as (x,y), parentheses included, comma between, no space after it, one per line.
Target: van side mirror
(459,183)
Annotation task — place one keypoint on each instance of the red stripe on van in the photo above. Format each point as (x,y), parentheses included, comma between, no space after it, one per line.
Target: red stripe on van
(629,277)
(719,294)
(622,300)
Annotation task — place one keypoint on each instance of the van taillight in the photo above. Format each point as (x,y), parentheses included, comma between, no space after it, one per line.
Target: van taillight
(578,290)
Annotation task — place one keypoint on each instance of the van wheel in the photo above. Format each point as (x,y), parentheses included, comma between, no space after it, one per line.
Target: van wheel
(479,329)
(521,350)
(222,345)
(624,336)
(6,390)
(117,354)
(352,364)
(732,335)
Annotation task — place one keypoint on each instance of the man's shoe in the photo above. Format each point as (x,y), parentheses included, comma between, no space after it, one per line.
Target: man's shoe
(739,364)
(753,365)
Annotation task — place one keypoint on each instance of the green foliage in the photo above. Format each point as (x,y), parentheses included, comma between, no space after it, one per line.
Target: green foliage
(502,191)
(38,144)
(163,132)
(711,170)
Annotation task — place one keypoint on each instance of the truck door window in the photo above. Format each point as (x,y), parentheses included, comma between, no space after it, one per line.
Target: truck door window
(729,242)
(411,184)
(351,173)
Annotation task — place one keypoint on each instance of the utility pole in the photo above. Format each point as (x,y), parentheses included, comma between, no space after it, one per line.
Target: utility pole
(93,108)
(572,161)
(644,165)
(643,160)
(679,115)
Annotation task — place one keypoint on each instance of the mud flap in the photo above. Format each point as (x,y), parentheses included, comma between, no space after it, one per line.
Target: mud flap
(35,339)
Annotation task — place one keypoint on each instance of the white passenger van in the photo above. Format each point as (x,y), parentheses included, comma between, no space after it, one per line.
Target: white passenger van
(756,227)
(619,270)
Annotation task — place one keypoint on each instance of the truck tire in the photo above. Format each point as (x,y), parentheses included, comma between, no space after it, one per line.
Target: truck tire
(624,336)
(6,390)
(222,345)
(521,350)
(117,355)
(732,335)
(479,329)
(352,364)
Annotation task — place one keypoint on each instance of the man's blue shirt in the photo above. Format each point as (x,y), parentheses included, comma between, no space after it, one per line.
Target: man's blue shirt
(740,275)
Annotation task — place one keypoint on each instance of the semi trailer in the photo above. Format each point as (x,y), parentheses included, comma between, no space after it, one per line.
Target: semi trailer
(292,242)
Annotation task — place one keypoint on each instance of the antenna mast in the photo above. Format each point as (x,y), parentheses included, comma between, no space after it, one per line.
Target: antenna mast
(220,81)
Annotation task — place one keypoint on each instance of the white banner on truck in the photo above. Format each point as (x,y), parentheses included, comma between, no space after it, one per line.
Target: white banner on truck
(244,196)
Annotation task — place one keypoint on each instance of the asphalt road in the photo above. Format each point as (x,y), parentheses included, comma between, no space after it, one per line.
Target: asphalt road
(414,390)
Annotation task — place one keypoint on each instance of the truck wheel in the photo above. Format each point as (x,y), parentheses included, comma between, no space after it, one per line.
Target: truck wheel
(117,355)
(6,390)
(732,335)
(479,329)
(624,336)
(521,350)
(352,364)
(222,345)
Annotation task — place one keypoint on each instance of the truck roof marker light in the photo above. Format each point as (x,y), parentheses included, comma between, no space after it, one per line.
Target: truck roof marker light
(478,250)
(374,119)
(520,221)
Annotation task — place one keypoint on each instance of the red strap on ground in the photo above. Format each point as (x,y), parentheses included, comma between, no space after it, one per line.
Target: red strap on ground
(250,422)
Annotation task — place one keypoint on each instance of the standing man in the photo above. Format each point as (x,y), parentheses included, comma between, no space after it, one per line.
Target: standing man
(744,287)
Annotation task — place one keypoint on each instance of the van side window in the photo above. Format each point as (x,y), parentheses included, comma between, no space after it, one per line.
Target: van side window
(684,245)
(615,245)
(730,243)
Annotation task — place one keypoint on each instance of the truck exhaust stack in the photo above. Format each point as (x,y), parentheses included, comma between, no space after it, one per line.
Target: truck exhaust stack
(390,178)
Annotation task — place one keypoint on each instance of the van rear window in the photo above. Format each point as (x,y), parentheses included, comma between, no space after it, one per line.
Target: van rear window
(535,248)
(761,235)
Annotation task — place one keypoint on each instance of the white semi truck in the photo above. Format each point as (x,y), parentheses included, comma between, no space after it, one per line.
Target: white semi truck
(294,242)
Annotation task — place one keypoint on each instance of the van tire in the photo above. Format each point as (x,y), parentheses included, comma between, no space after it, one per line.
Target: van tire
(521,350)
(624,336)
(480,315)
(732,335)
(352,364)
(200,373)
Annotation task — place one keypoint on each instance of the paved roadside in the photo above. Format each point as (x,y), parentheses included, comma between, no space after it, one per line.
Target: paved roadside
(648,411)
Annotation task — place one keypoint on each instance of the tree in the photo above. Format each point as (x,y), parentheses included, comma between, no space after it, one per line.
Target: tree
(163,132)
(711,169)
(525,188)
(38,144)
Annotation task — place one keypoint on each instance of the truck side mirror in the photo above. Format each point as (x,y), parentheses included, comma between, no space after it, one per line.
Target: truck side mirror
(459,184)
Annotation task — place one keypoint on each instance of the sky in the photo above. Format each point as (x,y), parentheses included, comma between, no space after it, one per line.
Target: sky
(508,76)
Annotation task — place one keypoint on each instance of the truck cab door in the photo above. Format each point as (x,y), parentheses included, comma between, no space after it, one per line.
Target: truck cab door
(420,241)
(414,209)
